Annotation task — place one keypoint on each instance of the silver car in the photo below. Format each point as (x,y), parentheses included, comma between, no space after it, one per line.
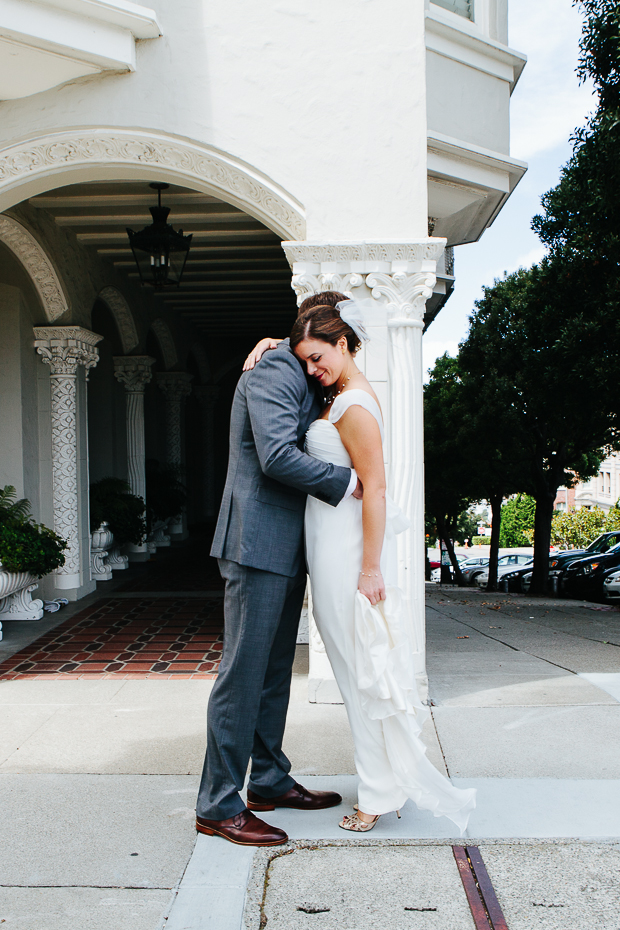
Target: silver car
(611,585)
(469,568)
(505,564)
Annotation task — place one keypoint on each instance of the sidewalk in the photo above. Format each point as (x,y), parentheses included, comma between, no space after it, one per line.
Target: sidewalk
(98,780)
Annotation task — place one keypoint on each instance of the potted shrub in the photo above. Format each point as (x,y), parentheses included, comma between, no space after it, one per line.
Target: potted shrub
(116,518)
(28,551)
(165,498)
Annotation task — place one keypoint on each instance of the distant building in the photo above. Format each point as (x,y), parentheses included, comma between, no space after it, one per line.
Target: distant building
(601,491)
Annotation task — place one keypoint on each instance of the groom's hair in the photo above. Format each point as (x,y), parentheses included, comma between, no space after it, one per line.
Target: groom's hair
(324,299)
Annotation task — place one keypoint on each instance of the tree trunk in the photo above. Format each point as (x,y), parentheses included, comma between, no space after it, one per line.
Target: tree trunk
(458,575)
(496,522)
(542,539)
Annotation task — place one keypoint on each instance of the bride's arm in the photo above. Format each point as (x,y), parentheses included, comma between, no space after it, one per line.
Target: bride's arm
(360,434)
(258,351)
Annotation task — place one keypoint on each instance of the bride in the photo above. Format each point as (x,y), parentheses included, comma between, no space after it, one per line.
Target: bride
(350,551)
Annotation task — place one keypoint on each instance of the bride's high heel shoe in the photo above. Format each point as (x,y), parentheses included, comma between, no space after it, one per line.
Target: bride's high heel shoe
(355,823)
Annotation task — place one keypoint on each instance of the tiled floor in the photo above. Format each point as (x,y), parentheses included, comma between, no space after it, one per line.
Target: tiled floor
(141,637)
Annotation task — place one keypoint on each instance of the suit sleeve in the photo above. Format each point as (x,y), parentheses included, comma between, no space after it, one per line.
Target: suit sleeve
(275,392)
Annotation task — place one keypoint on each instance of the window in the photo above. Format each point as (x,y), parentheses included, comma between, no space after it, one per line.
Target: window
(462,7)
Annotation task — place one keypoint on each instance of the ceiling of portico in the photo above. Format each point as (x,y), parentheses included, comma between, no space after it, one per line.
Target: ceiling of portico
(237,282)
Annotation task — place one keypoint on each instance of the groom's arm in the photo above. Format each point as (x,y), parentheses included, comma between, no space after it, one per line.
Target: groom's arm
(275,391)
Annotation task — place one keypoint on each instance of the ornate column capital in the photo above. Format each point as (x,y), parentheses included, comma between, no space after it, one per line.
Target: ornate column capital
(405,295)
(63,348)
(342,266)
(133,371)
(207,394)
(176,385)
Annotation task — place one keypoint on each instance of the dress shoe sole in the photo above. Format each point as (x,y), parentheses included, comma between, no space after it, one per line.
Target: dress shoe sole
(266,806)
(209,831)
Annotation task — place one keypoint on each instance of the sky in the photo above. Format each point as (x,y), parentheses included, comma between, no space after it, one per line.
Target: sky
(547,104)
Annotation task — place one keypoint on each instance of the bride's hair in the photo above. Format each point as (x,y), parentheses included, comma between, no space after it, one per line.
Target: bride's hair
(325,323)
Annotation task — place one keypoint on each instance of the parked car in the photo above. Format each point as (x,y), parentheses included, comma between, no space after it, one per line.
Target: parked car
(603,543)
(436,573)
(505,563)
(611,584)
(585,578)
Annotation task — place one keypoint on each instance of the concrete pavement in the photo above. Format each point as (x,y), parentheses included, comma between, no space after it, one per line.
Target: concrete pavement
(98,782)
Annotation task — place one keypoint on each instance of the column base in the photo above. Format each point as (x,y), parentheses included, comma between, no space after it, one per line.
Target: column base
(78,592)
(138,553)
(324,691)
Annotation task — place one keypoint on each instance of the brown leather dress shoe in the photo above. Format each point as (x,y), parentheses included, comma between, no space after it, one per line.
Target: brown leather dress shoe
(244,829)
(298,797)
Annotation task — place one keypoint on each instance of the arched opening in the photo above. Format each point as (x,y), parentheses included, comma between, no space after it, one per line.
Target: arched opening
(236,288)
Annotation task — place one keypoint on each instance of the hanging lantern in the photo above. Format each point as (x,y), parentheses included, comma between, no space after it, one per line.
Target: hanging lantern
(160,252)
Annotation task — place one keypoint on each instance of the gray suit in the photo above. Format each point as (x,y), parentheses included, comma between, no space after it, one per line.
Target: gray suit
(259,544)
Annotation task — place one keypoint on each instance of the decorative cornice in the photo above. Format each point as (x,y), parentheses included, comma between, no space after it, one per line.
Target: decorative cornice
(172,158)
(121,311)
(133,371)
(166,342)
(361,257)
(63,348)
(38,265)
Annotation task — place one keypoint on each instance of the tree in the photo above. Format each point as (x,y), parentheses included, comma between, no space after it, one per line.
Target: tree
(532,345)
(517,520)
(449,487)
(578,528)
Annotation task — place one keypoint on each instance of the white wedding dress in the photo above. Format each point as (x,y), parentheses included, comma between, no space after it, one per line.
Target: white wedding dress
(368,647)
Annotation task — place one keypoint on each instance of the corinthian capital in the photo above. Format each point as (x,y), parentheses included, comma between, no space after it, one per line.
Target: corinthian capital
(175,385)
(63,348)
(207,394)
(404,294)
(134,371)
(401,272)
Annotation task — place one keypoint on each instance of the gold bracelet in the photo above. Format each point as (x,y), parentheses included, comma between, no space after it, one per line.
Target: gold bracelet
(370,574)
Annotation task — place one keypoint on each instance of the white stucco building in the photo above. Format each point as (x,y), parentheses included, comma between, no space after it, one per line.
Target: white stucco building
(307,147)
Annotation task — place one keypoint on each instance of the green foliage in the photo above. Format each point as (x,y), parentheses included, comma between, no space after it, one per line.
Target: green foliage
(165,492)
(517,528)
(30,547)
(10,508)
(481,540)
(111,500)
(466,526)
(26,546)
(578,528)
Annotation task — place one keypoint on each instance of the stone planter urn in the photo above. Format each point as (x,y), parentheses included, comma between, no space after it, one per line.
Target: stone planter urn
(115,560)
(158,535)
(100,541)
(16,602)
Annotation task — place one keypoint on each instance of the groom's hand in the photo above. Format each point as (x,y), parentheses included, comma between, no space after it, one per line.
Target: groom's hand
(359,490)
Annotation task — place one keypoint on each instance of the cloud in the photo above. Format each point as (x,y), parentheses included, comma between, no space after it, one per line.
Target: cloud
(548,102)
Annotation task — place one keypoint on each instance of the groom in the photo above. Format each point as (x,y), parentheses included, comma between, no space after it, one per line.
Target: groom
(259,544)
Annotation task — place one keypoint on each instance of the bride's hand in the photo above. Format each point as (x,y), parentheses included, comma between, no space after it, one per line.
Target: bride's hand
(258,351)
(372,586)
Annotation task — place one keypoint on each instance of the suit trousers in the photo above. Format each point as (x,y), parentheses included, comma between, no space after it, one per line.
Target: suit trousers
(249,701)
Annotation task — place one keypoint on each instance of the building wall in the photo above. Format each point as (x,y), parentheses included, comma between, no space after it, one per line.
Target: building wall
(273,86)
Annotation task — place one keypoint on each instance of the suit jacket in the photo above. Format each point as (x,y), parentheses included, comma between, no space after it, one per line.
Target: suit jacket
(261,518)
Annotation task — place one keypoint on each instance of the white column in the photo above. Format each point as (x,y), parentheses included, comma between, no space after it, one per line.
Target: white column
(65,349)
(134,372)
(207,395)
(400,277)
(176,386)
